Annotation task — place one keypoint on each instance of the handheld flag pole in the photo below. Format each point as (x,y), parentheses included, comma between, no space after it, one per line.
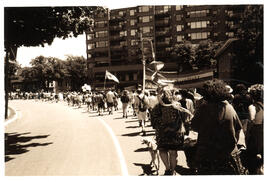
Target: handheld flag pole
(105,81)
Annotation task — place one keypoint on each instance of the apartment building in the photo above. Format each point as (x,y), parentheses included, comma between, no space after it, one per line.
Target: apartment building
(114,44)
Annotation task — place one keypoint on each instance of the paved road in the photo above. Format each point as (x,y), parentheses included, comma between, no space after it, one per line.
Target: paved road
(53,139)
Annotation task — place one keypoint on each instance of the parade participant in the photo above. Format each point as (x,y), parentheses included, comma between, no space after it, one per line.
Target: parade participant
(142,109)
(115,101)
(132,101)
(125,100)
(167,119)
(241,102)
(100,103)
(88,101)
(255,155)
(110,100)
(218,127)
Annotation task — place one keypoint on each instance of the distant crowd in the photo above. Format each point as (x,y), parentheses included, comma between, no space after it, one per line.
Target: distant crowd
(228,122)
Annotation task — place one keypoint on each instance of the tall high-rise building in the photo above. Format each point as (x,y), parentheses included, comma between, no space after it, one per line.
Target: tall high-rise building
(114,43)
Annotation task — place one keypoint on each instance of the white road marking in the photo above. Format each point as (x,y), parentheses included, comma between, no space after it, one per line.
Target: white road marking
(118,148)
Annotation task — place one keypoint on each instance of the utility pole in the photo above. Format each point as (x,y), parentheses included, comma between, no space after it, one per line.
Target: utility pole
(143,62)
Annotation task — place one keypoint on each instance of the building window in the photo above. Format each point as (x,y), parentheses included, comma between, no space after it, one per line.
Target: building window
(126,77)
(100,24)
(133,22)
(123,33)
(180,38)
(132,12)
(89,55)
(146,30)
(199,35)
(201,13)
(123,43)
(91,46)
(145,19)
(179,17)
(144,9)
(178,7)
(135,76)
(167,40)
(90,36)
(133,32)
(121,13)
(198,24)
(230,34)
(102,44)
(230,13)
(134,42)
(101,34)
(179,28)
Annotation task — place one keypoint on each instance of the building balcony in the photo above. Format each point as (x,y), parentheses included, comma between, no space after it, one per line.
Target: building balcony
(117,38)
(100,49)
(162,23)
(102,60)
(117,19)
(161,14)
(163,44)
(118,47)
(116,28)
(162,33)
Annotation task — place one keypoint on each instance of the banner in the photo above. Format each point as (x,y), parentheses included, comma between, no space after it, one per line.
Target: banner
(110,76)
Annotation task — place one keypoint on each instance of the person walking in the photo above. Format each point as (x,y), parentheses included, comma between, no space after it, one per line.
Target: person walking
(218,128)
(125,100)
(110,101)
(167,119)
(142,109)
(255,155)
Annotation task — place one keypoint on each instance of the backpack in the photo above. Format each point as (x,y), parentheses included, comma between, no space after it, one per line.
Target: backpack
(142,105)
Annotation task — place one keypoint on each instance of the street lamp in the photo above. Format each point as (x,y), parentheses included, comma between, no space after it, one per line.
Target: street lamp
(158,65)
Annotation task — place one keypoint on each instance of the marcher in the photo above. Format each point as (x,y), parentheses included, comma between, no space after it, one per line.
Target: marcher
(142,109)
(255,155)
(168,119)
(110,101)
(218,127)
(125,100)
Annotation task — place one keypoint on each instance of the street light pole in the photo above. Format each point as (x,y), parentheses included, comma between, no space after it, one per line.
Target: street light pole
(143,62)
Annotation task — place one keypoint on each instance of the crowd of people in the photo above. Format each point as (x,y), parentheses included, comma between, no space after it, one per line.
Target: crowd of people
(228,122)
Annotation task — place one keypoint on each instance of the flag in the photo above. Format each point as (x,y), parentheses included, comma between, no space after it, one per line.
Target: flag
(110,76)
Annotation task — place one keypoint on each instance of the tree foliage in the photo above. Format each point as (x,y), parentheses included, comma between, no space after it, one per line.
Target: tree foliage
(205,52)
(183,54)
(47,69)
(34,26)
(249,52)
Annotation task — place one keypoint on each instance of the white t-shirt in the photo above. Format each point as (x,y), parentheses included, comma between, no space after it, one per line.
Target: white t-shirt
(110,96)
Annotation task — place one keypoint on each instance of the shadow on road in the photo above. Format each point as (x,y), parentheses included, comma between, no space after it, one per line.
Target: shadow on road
(14,146)
(147,169)
(184,171)
(132,121)
(133,127)
(142,150)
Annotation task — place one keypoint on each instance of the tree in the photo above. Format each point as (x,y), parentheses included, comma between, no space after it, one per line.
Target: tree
(183,54)
(249,52)
(34,26)
(76,71)
(205,52)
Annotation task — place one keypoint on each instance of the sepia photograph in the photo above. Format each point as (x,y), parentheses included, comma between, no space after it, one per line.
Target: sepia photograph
(133,90)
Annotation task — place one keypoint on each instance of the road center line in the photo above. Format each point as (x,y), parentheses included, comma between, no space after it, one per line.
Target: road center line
(118,148)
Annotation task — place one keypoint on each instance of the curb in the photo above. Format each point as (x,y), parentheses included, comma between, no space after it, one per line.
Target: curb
(14,117)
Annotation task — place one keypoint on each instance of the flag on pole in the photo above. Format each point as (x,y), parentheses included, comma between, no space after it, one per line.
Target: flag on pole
(110,76)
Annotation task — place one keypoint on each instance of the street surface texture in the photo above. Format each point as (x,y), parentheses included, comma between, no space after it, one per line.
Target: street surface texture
(54,139)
